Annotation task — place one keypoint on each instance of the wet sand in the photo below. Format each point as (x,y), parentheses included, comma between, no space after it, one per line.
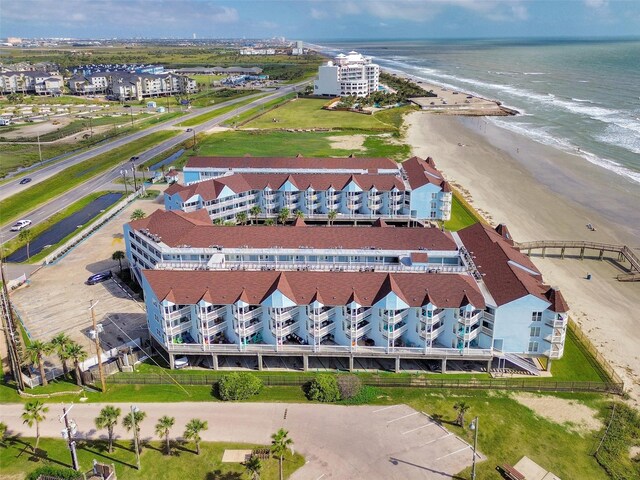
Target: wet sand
(542,193)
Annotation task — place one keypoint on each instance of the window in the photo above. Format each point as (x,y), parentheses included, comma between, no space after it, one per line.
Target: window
(535,332)
(536,317)
(533,346)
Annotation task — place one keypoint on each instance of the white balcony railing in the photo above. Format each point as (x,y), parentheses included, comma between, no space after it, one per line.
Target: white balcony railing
(284,330)
(358,317)
(322,316)
(212,329)
(393,332)
(467,335)
(247,316)
(176,315)
(248,330)
(393,318)
(358,331)
(432,334)
(469,321)
(322,329)
(213,314)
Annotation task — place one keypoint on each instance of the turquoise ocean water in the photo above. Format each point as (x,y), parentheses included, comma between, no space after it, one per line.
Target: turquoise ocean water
(582,96)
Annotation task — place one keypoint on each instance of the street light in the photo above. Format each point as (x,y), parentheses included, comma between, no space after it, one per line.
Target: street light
(123,172)
(133,171)
(475,425)
(68,432)
(130,112)
(135,410)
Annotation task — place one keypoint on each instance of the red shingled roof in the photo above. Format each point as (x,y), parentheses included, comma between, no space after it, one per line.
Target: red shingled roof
(421,172)
(507,273)
(195,229)
(335,288)
(558,304)
(291,163)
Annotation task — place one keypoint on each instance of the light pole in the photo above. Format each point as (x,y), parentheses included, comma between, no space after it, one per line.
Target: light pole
(475,425)
(124,177)
(96,332)
(133,172)
(134,425)
(68,432)
(130,113)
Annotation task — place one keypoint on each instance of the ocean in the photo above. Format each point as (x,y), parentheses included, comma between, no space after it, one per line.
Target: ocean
(581,96)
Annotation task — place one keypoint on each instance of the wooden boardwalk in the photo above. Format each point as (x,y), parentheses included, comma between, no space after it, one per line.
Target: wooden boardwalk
(623,253)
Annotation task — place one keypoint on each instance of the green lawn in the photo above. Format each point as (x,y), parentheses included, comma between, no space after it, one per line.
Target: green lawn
(461,217)
(17,460)
(575,365)
(308,113)
(257,111)
(207,97)
(217,112)
(28,199)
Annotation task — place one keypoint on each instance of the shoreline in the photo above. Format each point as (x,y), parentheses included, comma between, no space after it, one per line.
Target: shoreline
(542,193)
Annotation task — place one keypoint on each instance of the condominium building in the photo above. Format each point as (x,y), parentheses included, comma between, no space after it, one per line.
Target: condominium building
(317,187)
(472,295)
(351,74)
(132,86)
(40,83)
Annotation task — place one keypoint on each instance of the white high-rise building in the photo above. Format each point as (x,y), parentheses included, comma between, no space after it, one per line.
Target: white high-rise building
(351,74)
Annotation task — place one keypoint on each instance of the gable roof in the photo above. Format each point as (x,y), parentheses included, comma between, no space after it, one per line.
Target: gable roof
(422,172)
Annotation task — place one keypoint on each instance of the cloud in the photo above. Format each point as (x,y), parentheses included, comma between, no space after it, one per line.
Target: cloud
(596,3)
(319,14)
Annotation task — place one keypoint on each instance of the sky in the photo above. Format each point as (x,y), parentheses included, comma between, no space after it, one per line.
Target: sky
(318,19)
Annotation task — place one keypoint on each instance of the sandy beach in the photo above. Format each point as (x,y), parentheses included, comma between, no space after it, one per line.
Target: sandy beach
(544,194)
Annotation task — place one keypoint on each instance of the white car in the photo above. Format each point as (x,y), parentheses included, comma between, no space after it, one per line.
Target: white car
(20,224)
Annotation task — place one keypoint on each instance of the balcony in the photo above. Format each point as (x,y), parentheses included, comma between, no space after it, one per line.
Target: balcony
(215,327)
(358,316)
(322,316)
(358,331)
(556,351)
(282,329)
(319,330)
(354,204)
(395,317)
(555,337)
(393,332)
(250,329)
(171,317)
(284,316)
(436,317)
(249,315)
(468,334)
(432,333)
(212,315)
(556,323)
(469,321)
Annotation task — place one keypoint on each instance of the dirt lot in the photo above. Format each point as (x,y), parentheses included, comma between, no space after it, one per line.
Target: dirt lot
(576,416)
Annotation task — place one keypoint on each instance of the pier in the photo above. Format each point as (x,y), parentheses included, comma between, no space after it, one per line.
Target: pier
(623,253)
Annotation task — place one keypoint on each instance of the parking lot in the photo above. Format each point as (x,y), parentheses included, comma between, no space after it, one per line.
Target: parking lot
(58,300)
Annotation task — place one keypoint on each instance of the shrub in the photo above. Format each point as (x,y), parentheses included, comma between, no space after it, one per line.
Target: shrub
(366,395)
(348,386)
(238,386)
(324,388)
(55,472)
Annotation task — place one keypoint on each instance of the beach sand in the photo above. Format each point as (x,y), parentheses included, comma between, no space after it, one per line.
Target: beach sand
(542,193)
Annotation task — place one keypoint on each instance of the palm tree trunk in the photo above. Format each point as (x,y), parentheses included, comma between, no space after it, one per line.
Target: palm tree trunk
(281,474)
(110,430)
(120,265)
(197,447)
(28,251)
(35,448)
(42,372)
(78,376)
(166,437)
(65,368)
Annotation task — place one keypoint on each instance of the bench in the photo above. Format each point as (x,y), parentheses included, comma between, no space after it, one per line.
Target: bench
(511,473)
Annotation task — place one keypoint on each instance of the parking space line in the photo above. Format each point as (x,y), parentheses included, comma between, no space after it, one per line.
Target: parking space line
(418,428)
(452,453)
(436,439)
(404,416)
(385,408)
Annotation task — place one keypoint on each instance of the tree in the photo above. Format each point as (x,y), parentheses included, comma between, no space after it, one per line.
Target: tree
(324,388)
(77,354)
(37,350)
(138,214)
(163,427)
(349,386)
(280,443)
(255,211)
(253,466)
(238,386)
(118,255)
(3,431)
(241,218)
(332,216)
(283,216)
(269,222)
(108,418)
(25,236)
(462,408)
(34,413)
(192,431)
(60,343)
(127,422)
(299,214)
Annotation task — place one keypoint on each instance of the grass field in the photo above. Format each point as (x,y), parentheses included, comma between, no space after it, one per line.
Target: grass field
(206,98)
(17,460)
(216,113)
(28,199)
(461,217)
(40,100)
(308,113)
(257,111)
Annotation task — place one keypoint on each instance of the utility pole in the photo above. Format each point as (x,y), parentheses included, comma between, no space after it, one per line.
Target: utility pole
(475,425)
(97,340)
(68,433)
(133,171)
(10,331)
(124,177)
(39,149)
(90,126)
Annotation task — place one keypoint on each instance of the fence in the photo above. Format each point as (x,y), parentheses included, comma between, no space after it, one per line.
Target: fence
(300,380)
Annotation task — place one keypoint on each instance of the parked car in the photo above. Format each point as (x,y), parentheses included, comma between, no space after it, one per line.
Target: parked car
(20,224)
(99,277)
(25,180)
(181,362)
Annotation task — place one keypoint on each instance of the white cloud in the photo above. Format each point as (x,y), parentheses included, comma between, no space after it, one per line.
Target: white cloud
(596,3)
(318,14)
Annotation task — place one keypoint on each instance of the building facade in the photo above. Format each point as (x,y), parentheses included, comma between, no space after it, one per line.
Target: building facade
(318,188)
(39,83)
(132,86)
(346,75)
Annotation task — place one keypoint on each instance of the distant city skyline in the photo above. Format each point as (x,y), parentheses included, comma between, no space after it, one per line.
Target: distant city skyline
(319,19)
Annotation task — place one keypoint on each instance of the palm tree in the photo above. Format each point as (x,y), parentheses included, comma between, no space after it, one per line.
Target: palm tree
(78,354)
(269,222)
(34,412)
(118,255)
(241,218)
(299,214)
(25,236)
(462,408)
(127,422)
(332,216)
(280,443)
(192,431)
(162,430)
(138,214)
(3,431)
(253,466)
(283,216)
(108,418)
(37,350)
(255,211)
(60,343)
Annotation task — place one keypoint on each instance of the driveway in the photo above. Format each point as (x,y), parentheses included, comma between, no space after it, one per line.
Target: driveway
(373,442)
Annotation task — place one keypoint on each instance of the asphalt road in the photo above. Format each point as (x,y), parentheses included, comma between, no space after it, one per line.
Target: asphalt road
(98,183)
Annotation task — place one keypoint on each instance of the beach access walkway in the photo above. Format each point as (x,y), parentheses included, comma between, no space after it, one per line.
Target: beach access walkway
(623,253)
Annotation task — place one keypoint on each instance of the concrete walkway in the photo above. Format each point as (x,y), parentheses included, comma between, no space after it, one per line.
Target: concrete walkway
(338,442)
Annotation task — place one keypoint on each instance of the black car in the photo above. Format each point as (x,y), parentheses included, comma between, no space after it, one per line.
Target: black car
(99,277)
(25,180)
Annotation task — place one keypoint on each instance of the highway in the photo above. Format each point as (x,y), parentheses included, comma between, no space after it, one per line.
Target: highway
(101,181)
